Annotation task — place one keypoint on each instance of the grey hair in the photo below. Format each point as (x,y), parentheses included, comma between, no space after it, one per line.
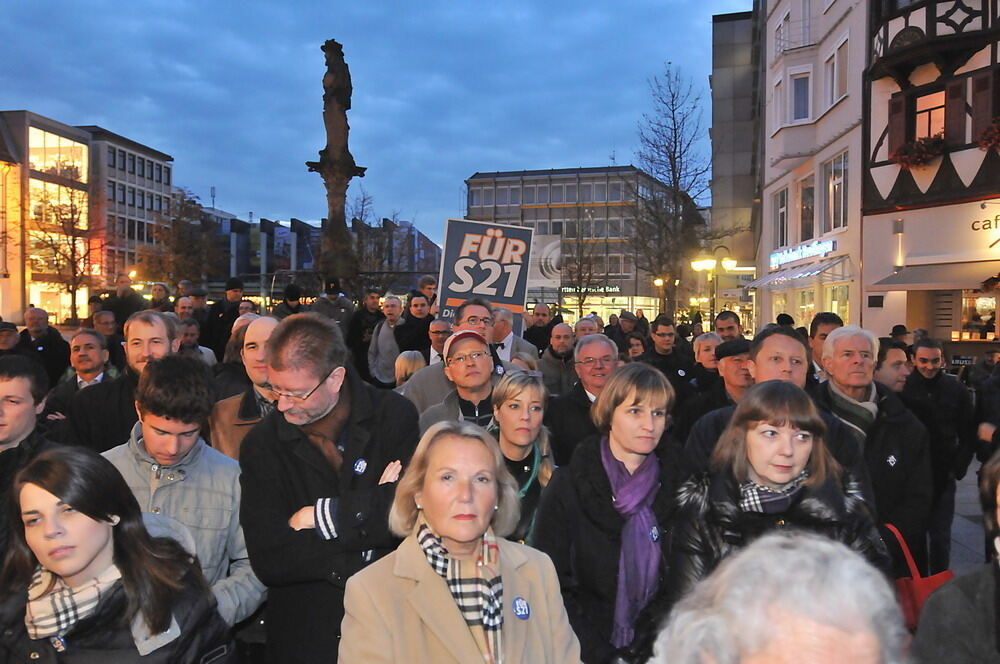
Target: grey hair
(701,339)
(731,614)
(847,332)
(502,313)
(593,339)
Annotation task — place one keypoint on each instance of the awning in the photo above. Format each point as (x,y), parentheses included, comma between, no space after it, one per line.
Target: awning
(946,276)
(788,278)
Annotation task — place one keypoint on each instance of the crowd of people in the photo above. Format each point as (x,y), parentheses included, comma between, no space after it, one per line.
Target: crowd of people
(388,482)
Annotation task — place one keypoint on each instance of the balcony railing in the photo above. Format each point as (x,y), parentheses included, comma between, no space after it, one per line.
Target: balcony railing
(792,34)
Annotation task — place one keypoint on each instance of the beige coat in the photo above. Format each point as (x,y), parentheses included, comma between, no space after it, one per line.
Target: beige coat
(400,610)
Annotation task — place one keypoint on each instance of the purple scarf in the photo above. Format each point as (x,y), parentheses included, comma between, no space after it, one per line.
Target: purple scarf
(639,560)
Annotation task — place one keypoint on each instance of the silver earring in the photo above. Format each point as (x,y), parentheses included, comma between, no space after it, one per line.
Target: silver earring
(115,519)
(496,507)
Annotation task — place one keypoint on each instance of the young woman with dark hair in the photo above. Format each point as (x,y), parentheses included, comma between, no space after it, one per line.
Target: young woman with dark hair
(84,581)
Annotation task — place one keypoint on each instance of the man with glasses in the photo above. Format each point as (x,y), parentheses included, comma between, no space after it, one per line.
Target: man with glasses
(429,386)
(439,331)
(467,364)
(672,364)
(568,415)
(318,479)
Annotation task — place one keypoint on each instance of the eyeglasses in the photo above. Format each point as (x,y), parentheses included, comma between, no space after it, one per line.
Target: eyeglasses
(595,361)
(468,357)
(440,331)
(476,320)
(303,397)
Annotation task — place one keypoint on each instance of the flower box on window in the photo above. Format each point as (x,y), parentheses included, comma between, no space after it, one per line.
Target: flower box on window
(990,138)
(919,152)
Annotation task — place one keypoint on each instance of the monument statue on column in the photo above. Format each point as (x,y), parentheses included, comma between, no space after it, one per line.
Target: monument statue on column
(336,166)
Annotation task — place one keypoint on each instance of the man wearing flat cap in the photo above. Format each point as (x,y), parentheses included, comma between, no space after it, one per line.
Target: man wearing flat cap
(221,316)
(627,322)
(733,357)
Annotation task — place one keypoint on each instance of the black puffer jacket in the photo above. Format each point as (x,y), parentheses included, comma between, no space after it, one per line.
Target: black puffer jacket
(203,636)
(578,527)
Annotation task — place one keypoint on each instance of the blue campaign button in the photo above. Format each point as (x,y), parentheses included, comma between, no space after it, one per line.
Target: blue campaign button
(654,534)
(521,608)
(359,466)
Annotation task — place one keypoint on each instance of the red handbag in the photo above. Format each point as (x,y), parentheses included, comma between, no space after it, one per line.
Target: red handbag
(912,591)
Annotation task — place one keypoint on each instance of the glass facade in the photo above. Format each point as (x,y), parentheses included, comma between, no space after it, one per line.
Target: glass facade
(56,155)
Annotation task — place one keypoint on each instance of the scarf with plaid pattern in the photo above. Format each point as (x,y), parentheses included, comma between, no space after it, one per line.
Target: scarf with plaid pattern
(757,498)
(476,587)
(53,607)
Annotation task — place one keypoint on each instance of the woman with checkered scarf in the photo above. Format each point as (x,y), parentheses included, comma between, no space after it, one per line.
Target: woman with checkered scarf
(85,582)
(455,591)
(770,471)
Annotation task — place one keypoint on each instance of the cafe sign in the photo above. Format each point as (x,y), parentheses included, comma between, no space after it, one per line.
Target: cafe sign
(805,250)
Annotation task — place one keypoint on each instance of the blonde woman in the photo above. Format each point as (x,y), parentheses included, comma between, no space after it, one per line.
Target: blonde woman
(455,591)
(408,363)
(518,408)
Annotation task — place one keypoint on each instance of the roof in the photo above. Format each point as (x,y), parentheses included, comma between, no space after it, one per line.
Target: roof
(592,170)
(102,134)
(734,16)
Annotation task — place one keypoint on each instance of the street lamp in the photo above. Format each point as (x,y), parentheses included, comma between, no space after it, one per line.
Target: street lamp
(658,282)
(711,265)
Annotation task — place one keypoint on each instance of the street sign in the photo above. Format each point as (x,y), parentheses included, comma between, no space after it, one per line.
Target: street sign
(486,260)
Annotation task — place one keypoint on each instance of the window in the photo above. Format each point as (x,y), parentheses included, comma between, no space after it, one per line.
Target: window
(502,196)
(614,228)
(111,157)
(158,203)
(614,264)
(142,201)
(929,115)
(807,304)
(529,195)
(111,191)
(543,228)
(141,166)
(488,196)
(835,72)
(166,204)
(131,229)
(159,173)
(807,196)
(121,226)
(586,193)
(131,163)
(475,197)
(781,218)
(149,169)
(543,194)
(557,227)
(838,299)
(600,192)
(121,193)
(131,196)
(557,193)
(515,195)
(778,107)
(121,160)
(615,191)
(800,97)
(600,228)
(166,175)
(571,193)
(835,193)
(781,34)
(570,229)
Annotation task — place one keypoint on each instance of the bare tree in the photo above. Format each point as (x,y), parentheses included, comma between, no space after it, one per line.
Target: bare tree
(378,247)
(183,244)
(61,246)
(668,228)
(581,258)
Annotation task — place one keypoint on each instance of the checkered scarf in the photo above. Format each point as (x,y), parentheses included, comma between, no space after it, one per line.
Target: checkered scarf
(53,607)
(757,498)
(475,585)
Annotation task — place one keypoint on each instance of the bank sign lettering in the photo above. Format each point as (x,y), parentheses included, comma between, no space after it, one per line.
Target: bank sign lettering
(484,260)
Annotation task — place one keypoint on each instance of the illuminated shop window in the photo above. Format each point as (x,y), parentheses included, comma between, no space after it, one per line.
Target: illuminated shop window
(56,155)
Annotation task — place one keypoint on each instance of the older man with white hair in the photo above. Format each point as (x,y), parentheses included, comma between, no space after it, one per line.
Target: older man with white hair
(505,342)
(788,598)
(893,440)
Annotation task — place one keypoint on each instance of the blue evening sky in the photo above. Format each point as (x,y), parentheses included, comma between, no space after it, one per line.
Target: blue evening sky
(233,90)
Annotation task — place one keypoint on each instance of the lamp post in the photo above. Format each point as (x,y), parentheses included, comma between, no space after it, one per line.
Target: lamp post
(711,265)
(658,282)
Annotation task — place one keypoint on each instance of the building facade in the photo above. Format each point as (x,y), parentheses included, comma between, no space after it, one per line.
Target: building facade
(810,158)
(932,169)
(582,257)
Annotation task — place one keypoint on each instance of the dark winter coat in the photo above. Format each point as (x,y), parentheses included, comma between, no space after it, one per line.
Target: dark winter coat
(703,379)
(51,349)
(124,306)
(568,418)
(219,326)
(710,525)
(897,453)
(944,406)
(359,336)
(102,416)
(101,638)
(11,461)
(959,623)
(578,527)
(283,472)
(676,367)
(698,406)
(412,334)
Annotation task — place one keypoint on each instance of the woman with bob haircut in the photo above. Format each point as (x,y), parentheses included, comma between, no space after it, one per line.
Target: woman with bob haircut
(518,409)
(636,344)
(83,581)
(770,471)
(605,518)
(455,590)
(408,363)
(960,622)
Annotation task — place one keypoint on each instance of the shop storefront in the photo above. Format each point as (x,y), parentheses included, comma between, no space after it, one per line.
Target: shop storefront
(804,280)
(926,269)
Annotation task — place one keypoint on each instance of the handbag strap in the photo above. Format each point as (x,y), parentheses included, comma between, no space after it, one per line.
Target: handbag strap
(914,572)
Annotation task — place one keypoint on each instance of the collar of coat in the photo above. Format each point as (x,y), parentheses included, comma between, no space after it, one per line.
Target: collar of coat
(593,487)
(138,449)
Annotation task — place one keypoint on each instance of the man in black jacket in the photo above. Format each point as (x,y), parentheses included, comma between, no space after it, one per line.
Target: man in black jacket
(102,416)
(894,441)
(360,329)
(568,415)
(318,479)
(944,406)
(733,357)
(45,342)
(124,301)
(23,386)
(664,356)
(221,316)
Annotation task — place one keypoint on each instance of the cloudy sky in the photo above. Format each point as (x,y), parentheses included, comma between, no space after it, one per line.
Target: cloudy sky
(442,89)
